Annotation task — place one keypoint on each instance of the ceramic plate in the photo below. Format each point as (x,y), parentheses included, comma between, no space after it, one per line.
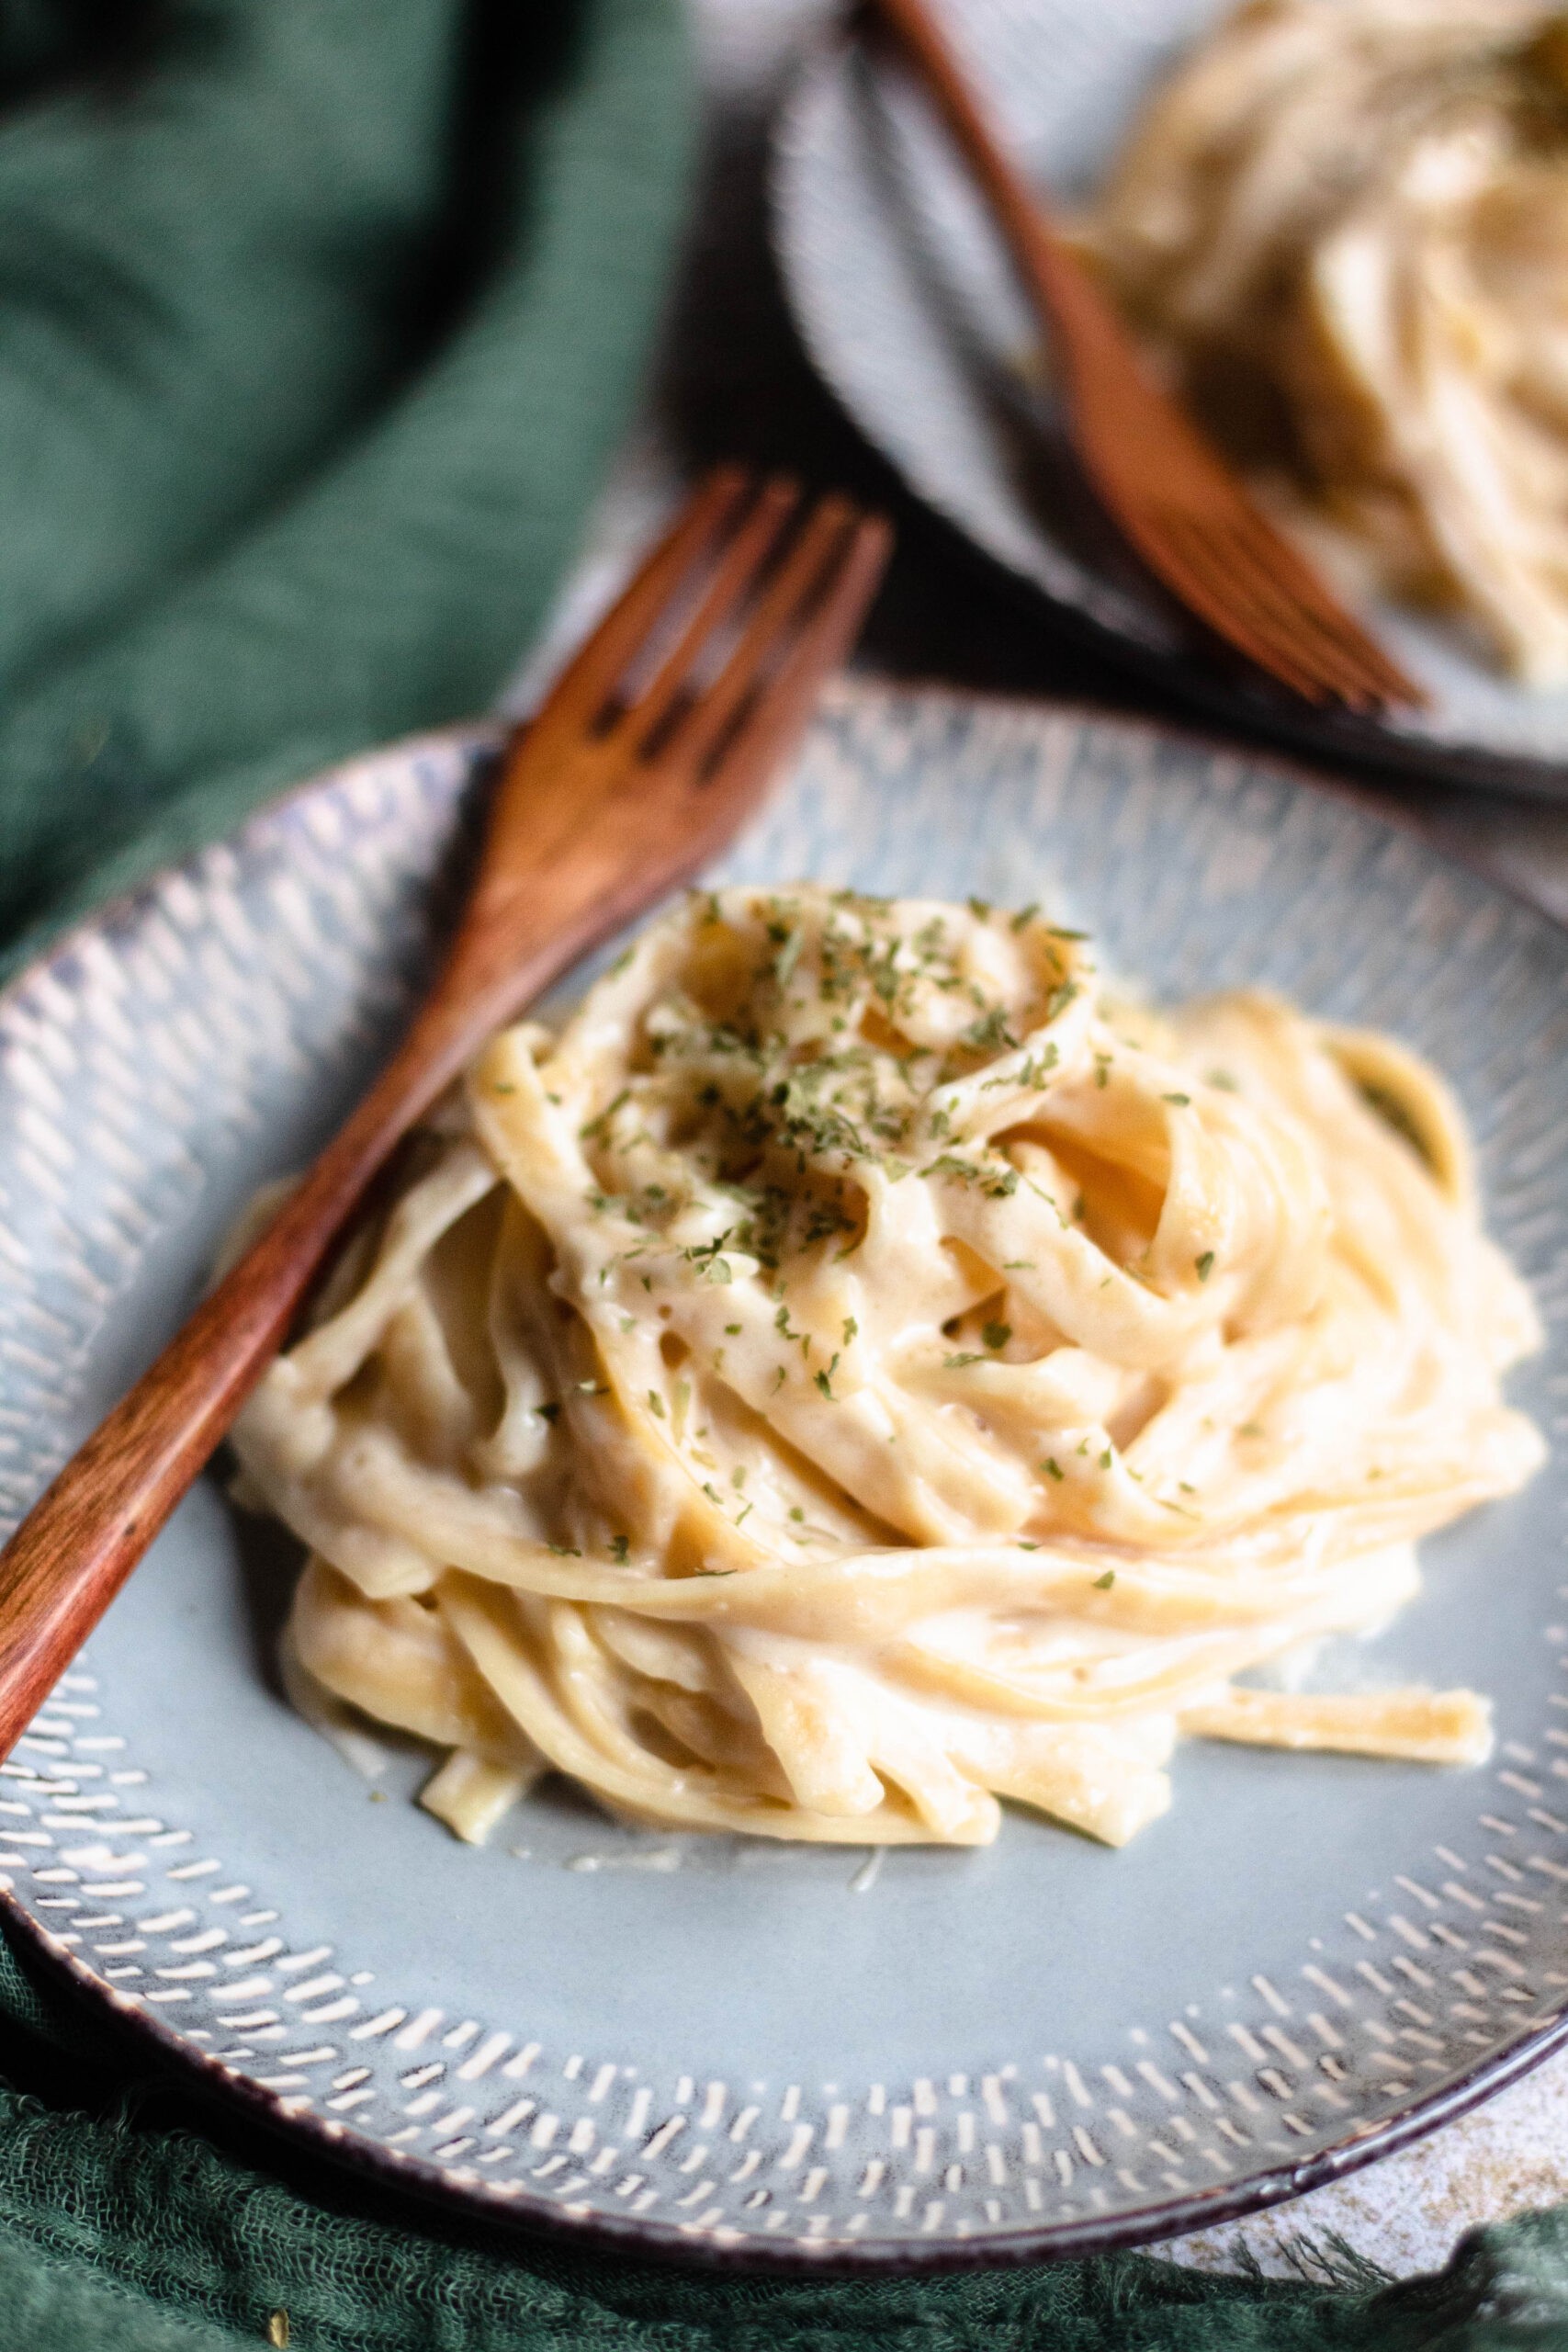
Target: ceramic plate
(907,304)
(743,2048)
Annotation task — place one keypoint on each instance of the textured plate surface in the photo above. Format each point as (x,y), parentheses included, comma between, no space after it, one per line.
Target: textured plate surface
(907,306)
(746,2047)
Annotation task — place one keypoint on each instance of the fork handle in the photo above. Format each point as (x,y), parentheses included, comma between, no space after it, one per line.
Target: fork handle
(578,841)
(86,1532)
(1070,306)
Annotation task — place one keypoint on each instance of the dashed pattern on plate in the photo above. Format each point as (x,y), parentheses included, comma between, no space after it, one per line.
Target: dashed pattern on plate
(127,1094)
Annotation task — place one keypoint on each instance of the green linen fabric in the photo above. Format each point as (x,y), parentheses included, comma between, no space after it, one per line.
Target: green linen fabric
(318,322)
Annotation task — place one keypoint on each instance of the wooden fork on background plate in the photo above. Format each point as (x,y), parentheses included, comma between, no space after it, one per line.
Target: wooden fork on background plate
(1168,491)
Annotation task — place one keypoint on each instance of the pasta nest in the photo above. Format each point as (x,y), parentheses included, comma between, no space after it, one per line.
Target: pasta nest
(859,1370)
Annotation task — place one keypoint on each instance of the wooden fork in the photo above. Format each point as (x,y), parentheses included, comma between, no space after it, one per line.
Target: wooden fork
(1171,495)
(656,743)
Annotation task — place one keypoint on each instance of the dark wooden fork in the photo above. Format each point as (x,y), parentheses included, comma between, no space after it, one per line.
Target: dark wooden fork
(656,743)
(1167,490)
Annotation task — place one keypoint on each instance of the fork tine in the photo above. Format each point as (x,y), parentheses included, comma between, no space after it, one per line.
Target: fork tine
(1298,603)
(739,565)
(1386,681)
(1167,548)
(1229,557)
(1291,598)
(782,600)
(1283,565)
(767,730)
(592,674)
(1205,565)
(1231,579)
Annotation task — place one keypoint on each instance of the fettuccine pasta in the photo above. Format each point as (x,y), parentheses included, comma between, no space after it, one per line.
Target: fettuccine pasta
(1343,227)
(859,1371)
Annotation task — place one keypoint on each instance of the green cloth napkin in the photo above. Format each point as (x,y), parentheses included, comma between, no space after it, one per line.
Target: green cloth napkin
(318,321)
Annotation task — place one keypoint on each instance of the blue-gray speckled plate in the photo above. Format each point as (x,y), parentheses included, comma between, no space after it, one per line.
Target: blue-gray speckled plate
(751,2049)
(907,304)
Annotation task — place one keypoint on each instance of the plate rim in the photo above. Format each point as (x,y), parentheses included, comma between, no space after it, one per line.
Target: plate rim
(422,2183)
(1357,741)
(525,2217)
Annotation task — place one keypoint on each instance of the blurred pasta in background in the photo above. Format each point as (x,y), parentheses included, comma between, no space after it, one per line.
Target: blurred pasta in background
(1342,227)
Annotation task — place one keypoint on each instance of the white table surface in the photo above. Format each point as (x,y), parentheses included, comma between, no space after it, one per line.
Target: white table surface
(734,382)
